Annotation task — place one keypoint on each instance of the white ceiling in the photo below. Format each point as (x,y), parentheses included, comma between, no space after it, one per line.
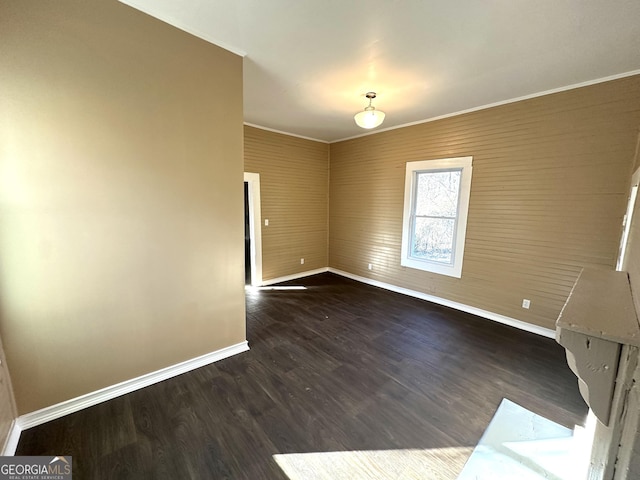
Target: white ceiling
(308,64)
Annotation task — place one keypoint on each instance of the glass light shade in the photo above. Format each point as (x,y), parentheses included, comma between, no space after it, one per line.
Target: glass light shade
(369,118)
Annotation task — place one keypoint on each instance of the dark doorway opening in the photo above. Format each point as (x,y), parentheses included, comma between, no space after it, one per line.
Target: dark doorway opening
(247,237)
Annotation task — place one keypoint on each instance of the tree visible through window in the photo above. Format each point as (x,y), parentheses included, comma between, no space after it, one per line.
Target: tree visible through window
(436,203)
(436,209)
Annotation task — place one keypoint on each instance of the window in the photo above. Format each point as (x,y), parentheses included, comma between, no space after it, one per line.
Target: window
(436,201)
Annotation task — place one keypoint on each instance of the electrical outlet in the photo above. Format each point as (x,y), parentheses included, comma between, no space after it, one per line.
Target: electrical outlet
(370,267)
(266,222)
(526,303)
(302,261)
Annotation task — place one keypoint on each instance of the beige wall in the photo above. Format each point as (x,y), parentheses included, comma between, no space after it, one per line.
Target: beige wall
(547,197)
(121,197)
(294,197)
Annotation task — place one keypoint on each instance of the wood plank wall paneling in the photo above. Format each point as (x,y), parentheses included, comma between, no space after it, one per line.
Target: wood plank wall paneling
(548,194)
(294,175)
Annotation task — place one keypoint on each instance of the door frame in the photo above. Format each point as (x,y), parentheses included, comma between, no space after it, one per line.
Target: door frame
(255,227)
(626,223)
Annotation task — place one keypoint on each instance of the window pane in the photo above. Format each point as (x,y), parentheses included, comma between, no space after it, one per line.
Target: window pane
(437,193)
(433,239)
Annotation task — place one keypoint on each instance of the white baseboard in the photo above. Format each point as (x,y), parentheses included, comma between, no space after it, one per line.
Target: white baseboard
(295,276)
(496,317)
(11,442)
(52,412)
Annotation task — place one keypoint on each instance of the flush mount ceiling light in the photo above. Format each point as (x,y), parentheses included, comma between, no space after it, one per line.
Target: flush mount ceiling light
(369,117)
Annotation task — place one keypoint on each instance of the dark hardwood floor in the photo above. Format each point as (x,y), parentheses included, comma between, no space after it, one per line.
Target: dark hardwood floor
(339,366)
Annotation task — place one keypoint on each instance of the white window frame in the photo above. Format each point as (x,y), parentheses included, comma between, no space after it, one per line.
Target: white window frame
(626,221)
(465,165)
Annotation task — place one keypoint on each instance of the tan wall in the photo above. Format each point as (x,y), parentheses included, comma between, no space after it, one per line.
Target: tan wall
(294,197)
(547,197)
(121,198)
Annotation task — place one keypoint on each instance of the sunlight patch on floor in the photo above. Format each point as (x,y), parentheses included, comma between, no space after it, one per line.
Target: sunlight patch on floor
(409,464)
(520,444)
(517,444)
